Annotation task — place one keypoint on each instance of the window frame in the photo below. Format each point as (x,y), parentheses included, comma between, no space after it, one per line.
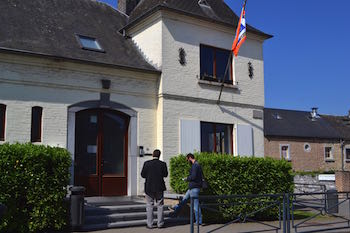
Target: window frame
(3,123)
(289,157)
(214,124)
(214,77)
(331,158)
(79,36)
(345,149)
(309,149)
(40,125)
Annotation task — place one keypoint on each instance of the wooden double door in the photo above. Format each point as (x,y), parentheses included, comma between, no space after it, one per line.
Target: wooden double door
(101,149)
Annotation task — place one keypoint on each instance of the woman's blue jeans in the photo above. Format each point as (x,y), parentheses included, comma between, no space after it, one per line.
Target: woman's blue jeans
(197,210)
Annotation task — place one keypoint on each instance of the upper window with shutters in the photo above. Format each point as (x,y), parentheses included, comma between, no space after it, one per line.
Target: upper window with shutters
(214,63)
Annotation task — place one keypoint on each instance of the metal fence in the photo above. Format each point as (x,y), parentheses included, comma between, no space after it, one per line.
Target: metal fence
(297,212)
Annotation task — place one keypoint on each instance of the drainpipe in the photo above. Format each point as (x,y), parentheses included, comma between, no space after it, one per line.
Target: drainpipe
(342,143)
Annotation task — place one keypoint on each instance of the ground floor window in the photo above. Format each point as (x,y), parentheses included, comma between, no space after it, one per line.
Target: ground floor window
(36,125)
(216,138)
(328,153)
(2,121)
(284,152)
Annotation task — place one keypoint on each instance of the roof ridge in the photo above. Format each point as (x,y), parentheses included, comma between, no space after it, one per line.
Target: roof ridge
(290,110)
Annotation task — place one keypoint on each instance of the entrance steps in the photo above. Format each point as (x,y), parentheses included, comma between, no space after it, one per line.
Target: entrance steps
(105,213)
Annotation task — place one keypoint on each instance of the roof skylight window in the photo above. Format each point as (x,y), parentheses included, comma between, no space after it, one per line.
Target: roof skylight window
(277,116)
(89,43)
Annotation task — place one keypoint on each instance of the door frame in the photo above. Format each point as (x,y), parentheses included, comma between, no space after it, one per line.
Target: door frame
(132,157)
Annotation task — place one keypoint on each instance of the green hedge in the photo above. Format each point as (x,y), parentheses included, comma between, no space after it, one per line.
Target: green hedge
(33,185)
(228,175)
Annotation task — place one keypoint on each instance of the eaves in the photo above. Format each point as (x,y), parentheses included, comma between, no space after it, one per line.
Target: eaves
(75,60)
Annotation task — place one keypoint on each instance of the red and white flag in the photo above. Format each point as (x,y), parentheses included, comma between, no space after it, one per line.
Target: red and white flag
(241,33)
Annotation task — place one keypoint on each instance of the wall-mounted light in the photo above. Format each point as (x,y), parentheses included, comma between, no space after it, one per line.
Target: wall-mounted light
(250,70)
(141,151)
(182,56)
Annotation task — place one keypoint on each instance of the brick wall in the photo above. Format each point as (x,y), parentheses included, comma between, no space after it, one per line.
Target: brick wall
(342,181)
(302,160)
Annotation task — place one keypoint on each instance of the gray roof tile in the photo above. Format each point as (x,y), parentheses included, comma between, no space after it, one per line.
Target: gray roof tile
(48,27)
(297,124)
(218,12)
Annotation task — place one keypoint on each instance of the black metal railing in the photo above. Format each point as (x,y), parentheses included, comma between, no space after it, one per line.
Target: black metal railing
(254,204)
(295,212)
(328,211)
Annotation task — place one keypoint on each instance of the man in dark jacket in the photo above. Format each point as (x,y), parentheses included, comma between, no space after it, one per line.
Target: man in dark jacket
(195,179)
(154,171)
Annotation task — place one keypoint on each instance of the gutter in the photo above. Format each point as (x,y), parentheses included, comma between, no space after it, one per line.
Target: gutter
(77,60)
(342,145)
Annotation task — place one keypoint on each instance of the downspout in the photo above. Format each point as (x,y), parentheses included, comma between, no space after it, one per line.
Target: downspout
(342,142)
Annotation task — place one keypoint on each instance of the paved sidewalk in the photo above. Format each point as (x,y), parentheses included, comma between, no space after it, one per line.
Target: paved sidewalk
(233,228)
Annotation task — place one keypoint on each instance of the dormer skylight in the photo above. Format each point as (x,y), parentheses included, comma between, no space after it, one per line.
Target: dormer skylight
(89,43)
(277,116)
(203,3)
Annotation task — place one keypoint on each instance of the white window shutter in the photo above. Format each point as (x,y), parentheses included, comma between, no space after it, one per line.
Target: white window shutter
(245,140)
(190,136)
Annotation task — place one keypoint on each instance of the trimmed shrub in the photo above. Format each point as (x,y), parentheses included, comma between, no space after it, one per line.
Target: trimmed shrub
(33,185)
(228,175)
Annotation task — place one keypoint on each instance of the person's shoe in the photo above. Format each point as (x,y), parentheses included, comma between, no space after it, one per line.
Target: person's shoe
(148,227)
(162,226)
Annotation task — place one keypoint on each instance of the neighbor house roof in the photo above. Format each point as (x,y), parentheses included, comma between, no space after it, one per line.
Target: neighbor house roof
(341,124)
(290,123)
(216,11)
(49,28)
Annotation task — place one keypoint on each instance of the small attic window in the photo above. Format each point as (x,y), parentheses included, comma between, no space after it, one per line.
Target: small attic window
(203,3)
(89,43)
(277,116)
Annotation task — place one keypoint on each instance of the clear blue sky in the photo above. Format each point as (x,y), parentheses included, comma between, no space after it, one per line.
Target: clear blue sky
(307,62)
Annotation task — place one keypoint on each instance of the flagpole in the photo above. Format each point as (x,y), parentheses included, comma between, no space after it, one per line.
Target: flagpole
(231,53)
(223,80)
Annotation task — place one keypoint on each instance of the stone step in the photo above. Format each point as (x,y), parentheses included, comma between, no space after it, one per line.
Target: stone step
(106,210)
(119,217)
(133,223)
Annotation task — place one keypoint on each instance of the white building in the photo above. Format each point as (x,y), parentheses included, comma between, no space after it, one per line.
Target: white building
(110,84)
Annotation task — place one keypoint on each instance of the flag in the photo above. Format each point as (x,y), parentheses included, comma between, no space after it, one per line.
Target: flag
(241,33)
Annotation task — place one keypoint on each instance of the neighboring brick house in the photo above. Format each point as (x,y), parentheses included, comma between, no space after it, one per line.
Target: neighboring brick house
(311,142)
(112,84)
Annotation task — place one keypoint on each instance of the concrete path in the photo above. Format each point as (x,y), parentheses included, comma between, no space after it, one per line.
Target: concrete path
(233,228)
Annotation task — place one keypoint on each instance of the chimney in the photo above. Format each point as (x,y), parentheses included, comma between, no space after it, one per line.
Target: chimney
(127,6)
(314,113)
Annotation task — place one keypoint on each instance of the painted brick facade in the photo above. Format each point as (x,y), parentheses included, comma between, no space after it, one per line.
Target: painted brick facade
(26,82)
(182,96)
(160,101)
